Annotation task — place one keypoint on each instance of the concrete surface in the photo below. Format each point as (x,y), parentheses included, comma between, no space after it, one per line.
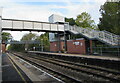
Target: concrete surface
(79,55)
(34,73)
(11,72)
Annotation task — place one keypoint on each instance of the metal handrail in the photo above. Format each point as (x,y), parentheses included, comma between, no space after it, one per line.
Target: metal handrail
(101,35)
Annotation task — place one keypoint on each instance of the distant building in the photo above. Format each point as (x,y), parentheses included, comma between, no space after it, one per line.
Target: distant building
(55,19)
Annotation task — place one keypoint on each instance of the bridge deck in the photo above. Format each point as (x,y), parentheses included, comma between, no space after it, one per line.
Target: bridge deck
(25,25)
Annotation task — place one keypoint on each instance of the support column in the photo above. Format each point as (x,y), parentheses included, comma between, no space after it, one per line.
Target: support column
(91,51)
(69,37)
(0,45)
(59,43)
(65,41)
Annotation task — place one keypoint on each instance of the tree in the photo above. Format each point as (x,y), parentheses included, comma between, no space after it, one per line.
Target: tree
(110,20)
(71,21)
(16,47)
(84,20)
(28,37)
(44,39)
(6,36)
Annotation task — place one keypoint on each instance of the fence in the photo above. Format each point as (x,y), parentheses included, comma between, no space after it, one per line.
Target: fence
(42,48)
(106,51)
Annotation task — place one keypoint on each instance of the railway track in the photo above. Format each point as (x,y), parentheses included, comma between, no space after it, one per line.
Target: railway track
(55,73)
(76,72)
(96,71)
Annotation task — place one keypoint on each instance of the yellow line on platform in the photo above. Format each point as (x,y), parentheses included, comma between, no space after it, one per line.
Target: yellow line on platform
(17,70)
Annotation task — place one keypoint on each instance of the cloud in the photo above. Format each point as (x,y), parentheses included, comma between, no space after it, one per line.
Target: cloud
(14,9)
(92,7)
(42,12)
(52,0)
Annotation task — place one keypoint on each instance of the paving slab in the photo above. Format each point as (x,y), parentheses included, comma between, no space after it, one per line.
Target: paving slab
(11,72)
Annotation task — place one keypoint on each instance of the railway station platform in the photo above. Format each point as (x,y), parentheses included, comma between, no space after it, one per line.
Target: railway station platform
(15,69)
(102,61)
(79,55)
(11,72)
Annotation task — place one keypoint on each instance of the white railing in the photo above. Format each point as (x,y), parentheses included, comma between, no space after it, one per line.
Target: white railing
(101,35)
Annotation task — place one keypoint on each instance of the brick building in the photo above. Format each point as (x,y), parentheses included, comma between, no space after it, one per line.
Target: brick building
(73,46)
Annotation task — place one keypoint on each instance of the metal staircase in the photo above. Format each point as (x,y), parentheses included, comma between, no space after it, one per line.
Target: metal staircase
(103,36)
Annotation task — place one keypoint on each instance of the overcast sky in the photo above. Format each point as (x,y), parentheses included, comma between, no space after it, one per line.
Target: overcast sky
(40,10)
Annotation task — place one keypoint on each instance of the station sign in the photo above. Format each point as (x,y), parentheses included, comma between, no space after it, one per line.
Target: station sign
(76,43)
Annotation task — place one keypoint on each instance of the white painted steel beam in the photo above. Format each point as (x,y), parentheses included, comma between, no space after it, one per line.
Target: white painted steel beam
(13,24)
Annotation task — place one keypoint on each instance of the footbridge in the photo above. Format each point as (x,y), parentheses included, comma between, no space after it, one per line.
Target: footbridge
(26,25)
(22,42)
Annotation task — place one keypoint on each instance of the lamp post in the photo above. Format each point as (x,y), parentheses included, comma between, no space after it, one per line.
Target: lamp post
(39,48)
(118,45)
(65,40)
(42,45)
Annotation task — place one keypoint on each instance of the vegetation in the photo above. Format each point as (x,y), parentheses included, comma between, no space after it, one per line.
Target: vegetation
(84,20)
(6,36)
(44,39)
(71,21)
(110,20)
(27,38)
(16,47)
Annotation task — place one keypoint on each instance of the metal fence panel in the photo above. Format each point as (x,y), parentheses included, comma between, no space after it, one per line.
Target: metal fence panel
(6,24)
(28,25)
(46,26)
(17,25)
(54,27)
(61,27)
(38,26)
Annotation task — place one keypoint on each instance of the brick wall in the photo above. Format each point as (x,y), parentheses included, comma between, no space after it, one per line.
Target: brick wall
(3,48)
(91,46)
(73,46)
(76,46)
(54,46)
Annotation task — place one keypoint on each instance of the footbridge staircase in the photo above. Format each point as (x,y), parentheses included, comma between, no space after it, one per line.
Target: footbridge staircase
(103,36)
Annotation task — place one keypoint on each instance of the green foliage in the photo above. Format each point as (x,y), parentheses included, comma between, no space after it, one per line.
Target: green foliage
(16,47)
(110,20)
(28,37)
(84,20)
(6,36)
(71,21)
(44,39)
